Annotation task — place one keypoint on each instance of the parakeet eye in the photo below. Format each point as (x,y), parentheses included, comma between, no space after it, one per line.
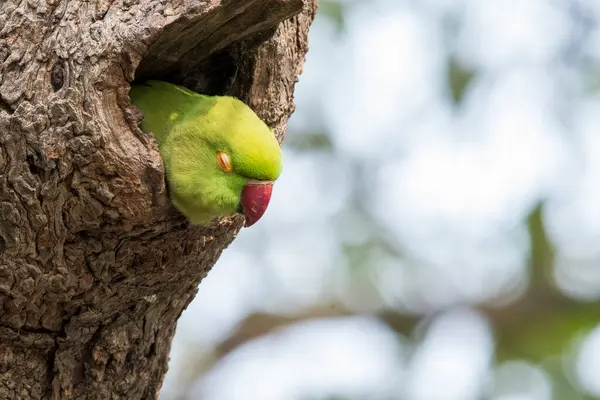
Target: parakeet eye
(224,161)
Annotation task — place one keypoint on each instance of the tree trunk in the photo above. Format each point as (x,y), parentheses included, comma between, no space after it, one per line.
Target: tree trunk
(95,264)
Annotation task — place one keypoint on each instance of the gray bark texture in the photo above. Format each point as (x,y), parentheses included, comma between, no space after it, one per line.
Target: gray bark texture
(96,266)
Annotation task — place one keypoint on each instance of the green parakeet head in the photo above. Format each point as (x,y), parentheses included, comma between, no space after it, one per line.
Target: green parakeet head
(220,157)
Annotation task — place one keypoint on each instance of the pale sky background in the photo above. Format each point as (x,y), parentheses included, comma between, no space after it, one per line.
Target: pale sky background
(452,186)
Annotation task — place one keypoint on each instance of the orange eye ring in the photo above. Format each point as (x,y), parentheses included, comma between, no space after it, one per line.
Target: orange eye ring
(224,161)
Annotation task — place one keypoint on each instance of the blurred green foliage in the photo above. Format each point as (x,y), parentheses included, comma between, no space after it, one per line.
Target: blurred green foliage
(543,324)
(310,141)
(459,78)
(334,10)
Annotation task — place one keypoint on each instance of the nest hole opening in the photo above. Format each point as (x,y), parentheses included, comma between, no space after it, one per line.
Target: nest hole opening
(214,76)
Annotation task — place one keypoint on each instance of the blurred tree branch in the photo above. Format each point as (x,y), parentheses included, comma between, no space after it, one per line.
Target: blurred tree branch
(539,324)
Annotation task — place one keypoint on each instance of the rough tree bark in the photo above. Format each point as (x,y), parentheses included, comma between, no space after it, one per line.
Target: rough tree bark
(95,264)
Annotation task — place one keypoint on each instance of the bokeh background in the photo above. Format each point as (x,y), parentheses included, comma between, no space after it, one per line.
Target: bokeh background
(436,232)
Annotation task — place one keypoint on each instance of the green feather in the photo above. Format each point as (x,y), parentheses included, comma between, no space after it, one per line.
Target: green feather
(191,129)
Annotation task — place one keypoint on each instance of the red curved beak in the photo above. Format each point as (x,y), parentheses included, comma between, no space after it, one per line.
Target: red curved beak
(255,199)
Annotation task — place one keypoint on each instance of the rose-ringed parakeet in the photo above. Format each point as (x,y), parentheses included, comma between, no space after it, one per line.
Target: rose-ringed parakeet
(220,157)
